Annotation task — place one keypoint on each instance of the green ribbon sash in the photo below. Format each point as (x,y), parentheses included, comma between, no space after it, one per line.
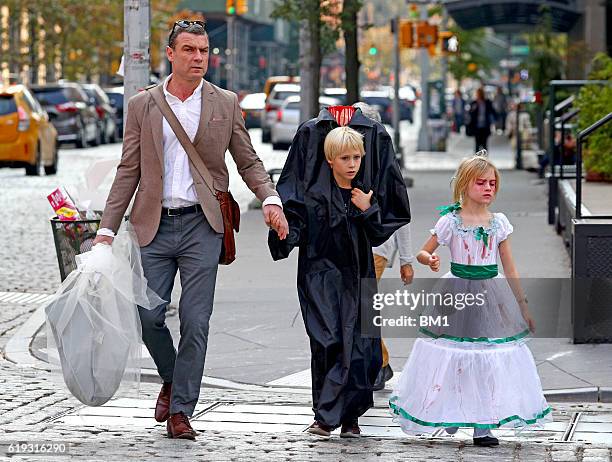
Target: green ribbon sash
(474,271)
(444,209)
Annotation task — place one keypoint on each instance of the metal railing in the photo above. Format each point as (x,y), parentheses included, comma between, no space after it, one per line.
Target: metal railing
(563,120)
(582,136)
(554,108)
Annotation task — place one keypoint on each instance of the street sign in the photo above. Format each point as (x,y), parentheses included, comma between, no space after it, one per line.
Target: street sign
(519,50)
(509,63)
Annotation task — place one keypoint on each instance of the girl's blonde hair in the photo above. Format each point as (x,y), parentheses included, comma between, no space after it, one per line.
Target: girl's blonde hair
(470,169)
(342,139)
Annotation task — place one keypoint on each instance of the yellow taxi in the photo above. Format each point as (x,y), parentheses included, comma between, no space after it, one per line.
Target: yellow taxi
(27,138)
(276,79)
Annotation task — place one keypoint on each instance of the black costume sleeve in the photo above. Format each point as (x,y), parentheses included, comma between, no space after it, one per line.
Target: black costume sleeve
(290,187)
(371,224)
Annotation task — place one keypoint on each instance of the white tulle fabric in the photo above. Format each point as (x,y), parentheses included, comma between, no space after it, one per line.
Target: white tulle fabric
(450,384)
(93,326)
(497,319)
(477,371)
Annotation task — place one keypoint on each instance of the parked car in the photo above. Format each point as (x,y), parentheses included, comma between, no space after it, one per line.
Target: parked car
(279,93)
(252,106)
(381,100)
(27,138)
(408,97)
(285,126)
(273,80)
(70,111)
(407,101)
(115,95)
(338,93)
(105,112)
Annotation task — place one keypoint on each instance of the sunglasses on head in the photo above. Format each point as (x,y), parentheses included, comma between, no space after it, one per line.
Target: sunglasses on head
(185,23)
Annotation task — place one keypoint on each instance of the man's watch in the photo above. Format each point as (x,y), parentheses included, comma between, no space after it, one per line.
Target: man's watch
(524,299)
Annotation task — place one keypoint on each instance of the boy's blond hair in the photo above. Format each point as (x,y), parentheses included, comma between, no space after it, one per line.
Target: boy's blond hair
(470,169)
(340,140)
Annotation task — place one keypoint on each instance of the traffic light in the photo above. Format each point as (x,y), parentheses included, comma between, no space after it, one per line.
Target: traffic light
(449,43)
(427,34)
(236,7)
(406,35)
(373,50)
(242,7)
(413,11)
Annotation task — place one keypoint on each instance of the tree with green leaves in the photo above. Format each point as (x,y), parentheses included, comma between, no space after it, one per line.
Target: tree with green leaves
(83,37)
(594,102)
(546,52)
(320,24)
(472,57)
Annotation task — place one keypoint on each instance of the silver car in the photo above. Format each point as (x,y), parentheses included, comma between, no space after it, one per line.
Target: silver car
(287,120)
(279,93)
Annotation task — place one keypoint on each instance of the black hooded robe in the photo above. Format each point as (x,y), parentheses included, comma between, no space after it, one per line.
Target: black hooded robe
(335,255)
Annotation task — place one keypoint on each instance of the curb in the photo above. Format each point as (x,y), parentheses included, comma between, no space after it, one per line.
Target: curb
(17,349)
(587,395)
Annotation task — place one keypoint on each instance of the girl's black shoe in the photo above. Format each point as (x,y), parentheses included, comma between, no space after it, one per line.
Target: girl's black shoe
(486,441)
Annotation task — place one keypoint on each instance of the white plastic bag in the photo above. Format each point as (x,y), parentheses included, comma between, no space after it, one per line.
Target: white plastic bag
(93,327)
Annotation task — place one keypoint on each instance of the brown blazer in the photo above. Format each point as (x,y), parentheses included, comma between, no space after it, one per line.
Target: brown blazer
(142,161)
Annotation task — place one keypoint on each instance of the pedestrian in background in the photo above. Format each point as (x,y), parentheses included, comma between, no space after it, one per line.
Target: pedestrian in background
(482,116)
(500,104)
(458,111)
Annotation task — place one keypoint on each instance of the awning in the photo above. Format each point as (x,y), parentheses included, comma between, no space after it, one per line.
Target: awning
(512,17)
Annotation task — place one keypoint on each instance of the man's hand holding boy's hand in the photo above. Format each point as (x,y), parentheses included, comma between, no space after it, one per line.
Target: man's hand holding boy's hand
(361,200)
(275,218)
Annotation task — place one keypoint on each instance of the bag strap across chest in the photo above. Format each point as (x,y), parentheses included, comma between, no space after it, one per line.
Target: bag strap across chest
(160,101)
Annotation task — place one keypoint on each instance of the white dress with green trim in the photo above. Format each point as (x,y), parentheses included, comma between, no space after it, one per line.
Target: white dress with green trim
(475,370)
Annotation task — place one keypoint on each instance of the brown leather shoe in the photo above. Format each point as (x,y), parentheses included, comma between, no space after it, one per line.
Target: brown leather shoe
(162,408)
(178,426)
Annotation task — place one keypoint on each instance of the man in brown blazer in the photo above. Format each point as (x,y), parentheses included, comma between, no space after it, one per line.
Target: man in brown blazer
(175,215)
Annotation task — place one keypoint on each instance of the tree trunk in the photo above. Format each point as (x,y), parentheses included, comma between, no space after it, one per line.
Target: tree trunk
(14,42)
(310,67)
(351,60)
(33,45)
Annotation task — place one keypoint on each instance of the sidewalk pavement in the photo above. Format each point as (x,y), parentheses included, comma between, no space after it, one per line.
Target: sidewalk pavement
(458,147)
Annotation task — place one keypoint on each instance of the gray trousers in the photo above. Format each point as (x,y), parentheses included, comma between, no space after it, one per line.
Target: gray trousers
(188,244)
